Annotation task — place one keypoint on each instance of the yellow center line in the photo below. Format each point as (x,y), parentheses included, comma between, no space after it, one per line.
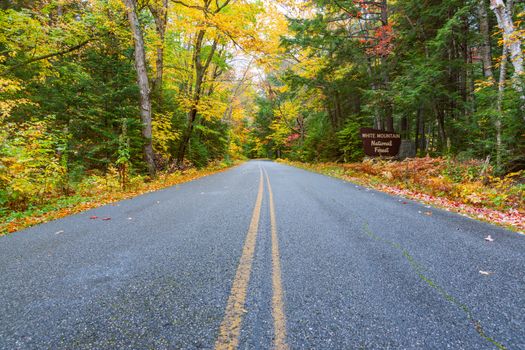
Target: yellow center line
(230,328)
(279,318)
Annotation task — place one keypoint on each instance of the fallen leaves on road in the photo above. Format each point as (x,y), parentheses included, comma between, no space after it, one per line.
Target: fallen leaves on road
(424,180)
(97,197)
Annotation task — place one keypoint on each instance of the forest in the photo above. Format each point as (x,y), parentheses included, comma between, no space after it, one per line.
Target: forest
(98,92)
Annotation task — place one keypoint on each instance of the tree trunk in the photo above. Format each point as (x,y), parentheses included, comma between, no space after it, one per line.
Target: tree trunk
(501,95)
(512,40)
(160,15)
(404,128)
(200,73)
(143,83)
(499,104)
(441,128)
(186,136)
(484,31)
(423,142)
(389,119)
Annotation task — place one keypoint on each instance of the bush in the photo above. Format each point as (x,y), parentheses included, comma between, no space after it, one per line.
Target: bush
(349,142)
(31,166)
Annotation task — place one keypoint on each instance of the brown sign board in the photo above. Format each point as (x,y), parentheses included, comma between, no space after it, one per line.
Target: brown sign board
(378,143)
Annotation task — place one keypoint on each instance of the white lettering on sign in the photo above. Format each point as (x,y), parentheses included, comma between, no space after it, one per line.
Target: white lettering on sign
(388,136)
(381,150)
(382,143)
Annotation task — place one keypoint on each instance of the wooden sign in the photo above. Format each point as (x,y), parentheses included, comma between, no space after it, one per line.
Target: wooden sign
(378,143)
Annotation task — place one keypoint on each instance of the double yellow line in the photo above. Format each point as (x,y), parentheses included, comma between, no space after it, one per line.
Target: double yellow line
(230,328)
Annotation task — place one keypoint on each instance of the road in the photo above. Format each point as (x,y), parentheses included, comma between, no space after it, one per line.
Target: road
(263,256)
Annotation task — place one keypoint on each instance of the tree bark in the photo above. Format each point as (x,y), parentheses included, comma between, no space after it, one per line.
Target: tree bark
(160,16)
(440,114)
(499,105)
(510,38)
(501,95)
(484,31)
(389,118)
(513,43)
(143,83)
(200,73)
(420,131)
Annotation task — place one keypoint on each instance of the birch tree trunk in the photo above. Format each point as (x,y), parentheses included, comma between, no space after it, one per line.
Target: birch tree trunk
(499,104)
(484,31)
(510,38)
(513,43)
(143,83)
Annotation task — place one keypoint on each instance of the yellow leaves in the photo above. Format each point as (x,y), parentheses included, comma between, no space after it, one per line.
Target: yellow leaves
(482,84)
(31,167)
(102,190)
(342,72)
(8,98)
(163,133)
(212,108)
(237,112)
(287,111)
(309,65)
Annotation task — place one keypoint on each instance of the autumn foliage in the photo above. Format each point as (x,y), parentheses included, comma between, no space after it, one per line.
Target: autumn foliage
(96,191)
(467,187)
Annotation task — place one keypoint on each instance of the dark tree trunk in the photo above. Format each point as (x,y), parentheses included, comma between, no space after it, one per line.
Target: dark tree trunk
(441,128)
(420,131)
(200,70)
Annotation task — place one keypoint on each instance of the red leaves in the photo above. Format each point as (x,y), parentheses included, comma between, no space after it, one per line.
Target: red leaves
(290,139)
(382,43)
(412,180)
(94,217)
(510,217)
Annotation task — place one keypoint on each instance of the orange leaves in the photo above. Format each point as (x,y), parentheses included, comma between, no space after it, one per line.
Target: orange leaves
(382,42)
(455,186)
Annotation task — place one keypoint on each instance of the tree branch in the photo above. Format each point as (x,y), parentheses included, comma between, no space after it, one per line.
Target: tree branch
(46,56)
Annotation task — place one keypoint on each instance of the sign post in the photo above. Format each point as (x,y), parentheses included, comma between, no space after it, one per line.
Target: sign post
(378,143)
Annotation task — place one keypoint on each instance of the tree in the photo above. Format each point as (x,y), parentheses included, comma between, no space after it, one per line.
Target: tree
(143,83)
(159,10)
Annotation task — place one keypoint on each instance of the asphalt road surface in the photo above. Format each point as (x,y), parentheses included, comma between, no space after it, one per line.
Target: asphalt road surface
(263,256)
